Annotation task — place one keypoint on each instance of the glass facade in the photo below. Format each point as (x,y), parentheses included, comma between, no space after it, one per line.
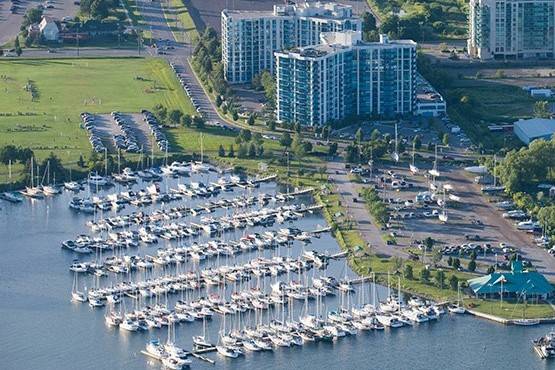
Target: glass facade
(511,29)
(316,85)
(249,39)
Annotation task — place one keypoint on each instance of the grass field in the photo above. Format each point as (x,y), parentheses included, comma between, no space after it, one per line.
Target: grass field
(511,310)
(66,87)
(491,101)
(180,21)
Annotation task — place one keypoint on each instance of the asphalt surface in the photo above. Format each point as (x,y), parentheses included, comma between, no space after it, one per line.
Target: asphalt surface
(10,23)
(357,212)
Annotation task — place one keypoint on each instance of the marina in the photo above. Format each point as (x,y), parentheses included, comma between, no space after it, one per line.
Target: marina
(275,292)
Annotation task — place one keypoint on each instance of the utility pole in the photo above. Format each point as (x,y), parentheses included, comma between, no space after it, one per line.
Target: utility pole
(77,38)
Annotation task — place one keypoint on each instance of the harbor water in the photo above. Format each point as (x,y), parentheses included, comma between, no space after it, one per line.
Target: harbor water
(41,329)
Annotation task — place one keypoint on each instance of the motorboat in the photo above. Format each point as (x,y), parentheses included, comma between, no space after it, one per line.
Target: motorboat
(12,197)
(97,180)
(72,186)
(227,351)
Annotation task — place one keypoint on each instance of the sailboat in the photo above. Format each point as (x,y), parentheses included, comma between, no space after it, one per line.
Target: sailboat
(202,340)
(72,185)
(395,154)
(170,347)
(48,189)
(434,171)
(226,350)
(443,215)
(412,167)
(33,191)
(200,166)
(76,295)
(457,308)
(11,196)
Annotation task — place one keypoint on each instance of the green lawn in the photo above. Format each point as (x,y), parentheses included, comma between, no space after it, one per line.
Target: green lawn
(66,87)
(180,21)
(510,310)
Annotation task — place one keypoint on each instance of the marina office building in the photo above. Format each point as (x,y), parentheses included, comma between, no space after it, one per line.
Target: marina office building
(250,38)
(345,77)
(511,29)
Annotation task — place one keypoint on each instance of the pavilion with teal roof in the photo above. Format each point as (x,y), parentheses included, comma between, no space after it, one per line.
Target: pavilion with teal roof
(517,283)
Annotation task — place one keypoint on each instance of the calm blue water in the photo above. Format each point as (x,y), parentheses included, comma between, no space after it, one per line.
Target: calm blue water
(41,329)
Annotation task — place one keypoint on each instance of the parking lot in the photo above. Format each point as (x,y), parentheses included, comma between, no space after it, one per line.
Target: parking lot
(126,132)
(408,129)
(474,221)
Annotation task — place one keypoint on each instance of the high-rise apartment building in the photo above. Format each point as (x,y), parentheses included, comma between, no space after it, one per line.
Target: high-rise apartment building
(343,77)
(511,29)
(250,38)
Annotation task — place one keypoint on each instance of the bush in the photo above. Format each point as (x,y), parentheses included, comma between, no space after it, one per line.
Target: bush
(424,275)
(408,273)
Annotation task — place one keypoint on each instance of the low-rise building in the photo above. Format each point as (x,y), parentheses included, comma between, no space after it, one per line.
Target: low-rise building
(517,283)
(529,130)
(49,29)
(429,103)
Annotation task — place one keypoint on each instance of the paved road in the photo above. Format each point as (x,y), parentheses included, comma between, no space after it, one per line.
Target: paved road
(358,212)
(153,14)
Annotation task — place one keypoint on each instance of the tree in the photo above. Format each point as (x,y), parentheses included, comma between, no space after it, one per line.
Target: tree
(160,112)
(491,270)
(450,261)
(175,116)
(186,120)
(445,139)
(408,273)
(473,255)
(250,120)
(456,263)
(424,275)
(417,142)
(243,151)
(436,256)
(454,282)
(231,152)
(440,278)
(199,122)
(298,146)
(245,135)
(221,151)
(81,161)
(271,125)
(472,266)
(332,150)
(17,47)
(257,138)
(218,101)
(99,9)
(285,140)
(429,243)
(359,136)
(541,109)
(375,135)
(234,115)
(252,150)
(269,85)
